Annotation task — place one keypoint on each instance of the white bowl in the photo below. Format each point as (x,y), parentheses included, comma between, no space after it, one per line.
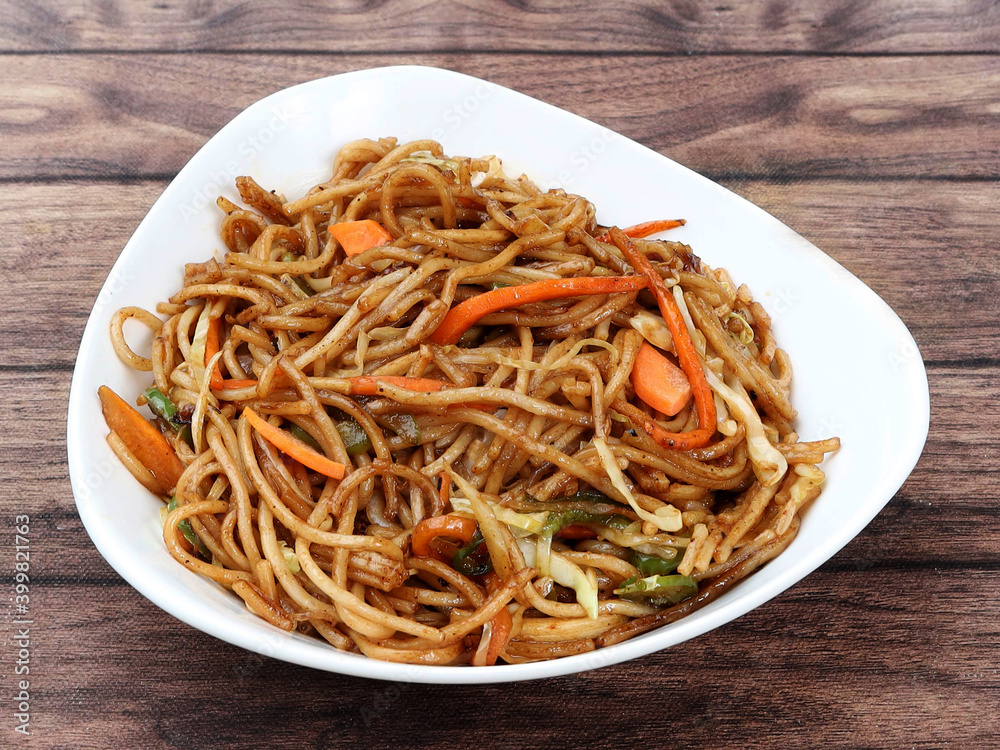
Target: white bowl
(858,374)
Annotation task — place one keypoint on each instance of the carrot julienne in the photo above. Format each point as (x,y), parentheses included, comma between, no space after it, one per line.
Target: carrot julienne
(646,228)
(465,315)
(687,355)
(501,628)
(294,447)
(211,349)
(225,383)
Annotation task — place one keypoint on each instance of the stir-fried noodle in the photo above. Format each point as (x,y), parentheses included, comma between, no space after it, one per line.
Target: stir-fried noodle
(437,415)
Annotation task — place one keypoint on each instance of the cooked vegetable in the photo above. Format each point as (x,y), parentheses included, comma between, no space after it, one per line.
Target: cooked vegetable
(647,228)
(403,425)
(567,574)
(473,559)
(649,565)
(211,349)
(161,405)
(295,448)
(304,436)
(143,439)
(659,382)
(464,315)
(429,529)
(556,522)
(500,633)
(659,589)
(357,236)
(355,438)
(496,633)
(366,385)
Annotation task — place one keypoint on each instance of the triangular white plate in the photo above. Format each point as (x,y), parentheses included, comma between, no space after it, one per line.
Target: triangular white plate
(858,374)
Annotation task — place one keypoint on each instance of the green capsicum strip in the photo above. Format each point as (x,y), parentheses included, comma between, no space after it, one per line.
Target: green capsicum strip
(473,559)
(160,404)
(305,437)
(560,520)
(650,565)
(405,426)
(354,436)
(659,589)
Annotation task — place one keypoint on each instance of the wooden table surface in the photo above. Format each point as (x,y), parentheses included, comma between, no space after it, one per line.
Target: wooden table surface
(873,129)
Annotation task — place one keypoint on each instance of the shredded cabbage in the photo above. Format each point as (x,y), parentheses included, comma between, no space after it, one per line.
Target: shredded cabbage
(746,332)
(361,353)
(196,355)
(426,157)
(653,329)
(291,559)
(530,522)
(768,463)
(667,518)
(568,574)
(319,285)
(495,172)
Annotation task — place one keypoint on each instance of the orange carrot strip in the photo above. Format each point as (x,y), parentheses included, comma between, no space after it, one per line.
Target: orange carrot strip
(357,236)
(445,492)
(500,631)
(367,385)
(464,315)
(687,355)
(225,383)
(211,349)
(455,527)
(143,439)
(659,382)
(501,627)
(646,228)
(295,447)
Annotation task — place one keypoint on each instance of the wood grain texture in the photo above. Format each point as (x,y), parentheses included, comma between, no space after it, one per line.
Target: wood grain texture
(113,117)
(675,27)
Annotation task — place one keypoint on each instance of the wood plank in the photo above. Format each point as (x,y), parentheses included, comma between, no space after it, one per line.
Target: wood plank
(477,25)
(903,239)
(863,659)
(117,116)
